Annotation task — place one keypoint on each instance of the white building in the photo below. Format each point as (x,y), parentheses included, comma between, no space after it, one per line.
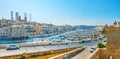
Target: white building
(3,34)
(116,24)
(29,29)
(18,31)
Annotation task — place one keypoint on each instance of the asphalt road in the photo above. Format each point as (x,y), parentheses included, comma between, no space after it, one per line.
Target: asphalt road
(4,52)
(83,55)
(86,53)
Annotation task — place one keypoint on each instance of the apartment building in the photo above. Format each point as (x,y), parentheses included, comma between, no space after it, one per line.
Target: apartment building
(3,34)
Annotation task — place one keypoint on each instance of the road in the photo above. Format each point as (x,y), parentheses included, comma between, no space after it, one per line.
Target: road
(4,52)
(84,54)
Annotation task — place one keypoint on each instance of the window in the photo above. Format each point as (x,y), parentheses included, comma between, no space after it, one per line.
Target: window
(3,34)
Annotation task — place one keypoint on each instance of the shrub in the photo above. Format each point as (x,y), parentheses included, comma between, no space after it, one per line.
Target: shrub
(104,32)
(101,45)
(80,38)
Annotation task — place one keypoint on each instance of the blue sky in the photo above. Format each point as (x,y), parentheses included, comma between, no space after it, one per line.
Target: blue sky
(60,12)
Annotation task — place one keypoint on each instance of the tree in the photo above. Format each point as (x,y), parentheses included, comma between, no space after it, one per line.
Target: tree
(101,45)
(79,38)
(104,32)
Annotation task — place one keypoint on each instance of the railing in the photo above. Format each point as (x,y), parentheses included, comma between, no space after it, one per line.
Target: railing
(67,55)
(95,54)
(28,55)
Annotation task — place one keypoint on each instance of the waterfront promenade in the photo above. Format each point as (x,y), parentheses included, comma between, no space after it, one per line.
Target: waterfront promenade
(63,37)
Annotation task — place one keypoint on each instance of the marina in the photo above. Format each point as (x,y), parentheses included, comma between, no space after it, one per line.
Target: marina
(63,37)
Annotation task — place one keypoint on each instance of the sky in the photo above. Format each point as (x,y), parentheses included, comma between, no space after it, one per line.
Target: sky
(61,12)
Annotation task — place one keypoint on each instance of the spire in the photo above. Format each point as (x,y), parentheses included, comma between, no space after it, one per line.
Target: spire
(115,23)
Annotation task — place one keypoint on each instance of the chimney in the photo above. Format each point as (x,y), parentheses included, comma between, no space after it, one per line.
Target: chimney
(19,18)
(12,15)
(29,17)
(25,17)
(16,15)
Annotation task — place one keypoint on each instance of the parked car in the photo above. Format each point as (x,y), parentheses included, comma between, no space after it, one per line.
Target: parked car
(12,47)
(92,49)
(104,40)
